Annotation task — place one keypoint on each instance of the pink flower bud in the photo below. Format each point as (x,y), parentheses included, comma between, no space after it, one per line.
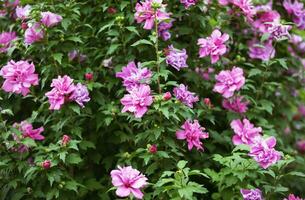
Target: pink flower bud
(89,76)
(65,140)
(24,26)
(111,10)
(167,96)
(301,146)
(207,101)
(153,149)
(46,164)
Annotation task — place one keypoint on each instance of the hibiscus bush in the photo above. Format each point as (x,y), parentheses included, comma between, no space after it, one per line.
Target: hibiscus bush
(152,99)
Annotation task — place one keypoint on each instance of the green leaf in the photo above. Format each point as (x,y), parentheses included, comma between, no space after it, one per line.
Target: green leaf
(143,41)
(75,108)
(113,48)
(300,174)
(254,72)
(265,37)
(133,30)
(71,185)
(58,57)
(62,156)
(73,158)
(283,63)
(75,39)
(181,164)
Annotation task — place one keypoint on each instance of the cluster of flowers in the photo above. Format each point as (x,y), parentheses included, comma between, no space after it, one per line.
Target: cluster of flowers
(267,22)
(262,150)
(150,11)
(64,90)
(263,21)
(8,7)
(36,32)
(136,80)
(297,10)
(32,34)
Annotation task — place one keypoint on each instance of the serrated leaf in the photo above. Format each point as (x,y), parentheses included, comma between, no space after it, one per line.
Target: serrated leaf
(58,57)
(73,158)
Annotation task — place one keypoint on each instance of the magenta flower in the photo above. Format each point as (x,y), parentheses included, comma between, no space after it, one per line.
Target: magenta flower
(235,104)
(27,131)
(301,146)
(128,181)
(264,153)
(163,28)
(296,9)
(205,73)
(293,8)
(148,11)
(6,39)
(293,197)
(252,194)
(63,87)
(80,95)
(279,31)
(176,58)
(76,55)
(185,96)
(299,20)
(260,51)
(23,12)
(50,19)
(246,6)
(213,46)
(265,20)
(19,77)
(245,132)
(137,100)
(33,34)
(188,3)
(192,133)
(134,76)
(229,81)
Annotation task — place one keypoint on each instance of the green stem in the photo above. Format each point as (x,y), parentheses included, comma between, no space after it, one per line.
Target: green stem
(157,54)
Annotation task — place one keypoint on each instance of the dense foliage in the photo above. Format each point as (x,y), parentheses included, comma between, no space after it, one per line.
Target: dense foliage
(180,99)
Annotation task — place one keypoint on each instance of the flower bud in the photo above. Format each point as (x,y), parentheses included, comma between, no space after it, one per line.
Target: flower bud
(207,101)
(167,96)
(111,10)
(46,164)
(301,146)
(152,149)
(89,76)
(24,26)
(65,140)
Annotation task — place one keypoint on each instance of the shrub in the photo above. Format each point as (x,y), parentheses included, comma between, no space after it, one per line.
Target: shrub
(147,99)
